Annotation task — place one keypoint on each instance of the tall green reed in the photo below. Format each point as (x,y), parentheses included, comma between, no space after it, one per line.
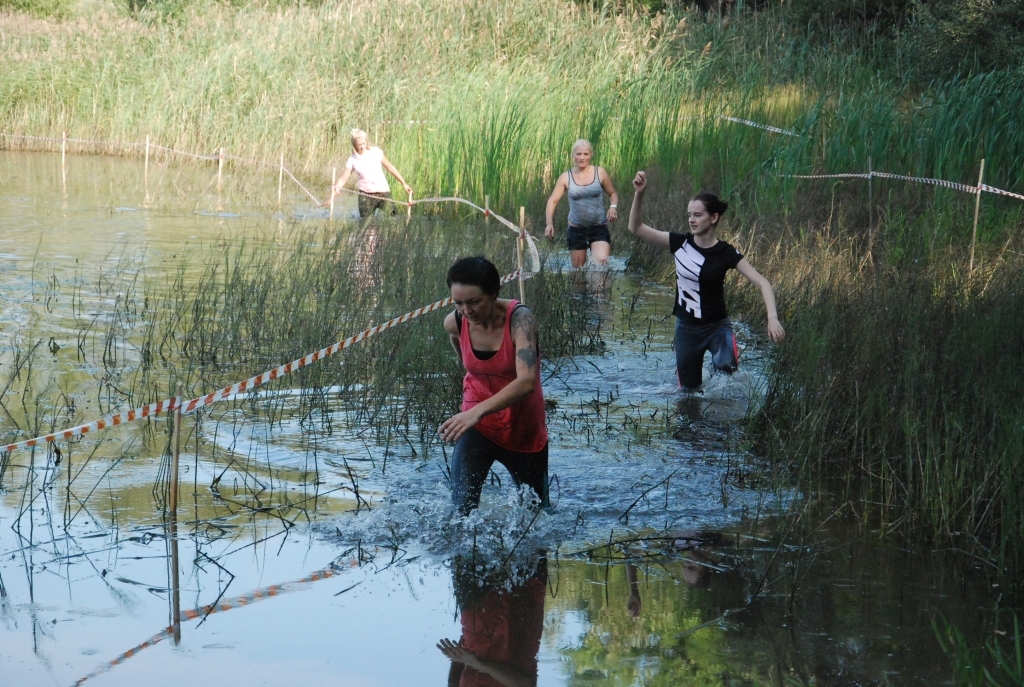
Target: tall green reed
(503,101)
(258,305)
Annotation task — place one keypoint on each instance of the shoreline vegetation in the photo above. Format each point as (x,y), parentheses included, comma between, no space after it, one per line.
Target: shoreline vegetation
(896,389)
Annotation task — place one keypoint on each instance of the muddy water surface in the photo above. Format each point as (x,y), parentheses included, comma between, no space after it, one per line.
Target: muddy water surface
(286,575)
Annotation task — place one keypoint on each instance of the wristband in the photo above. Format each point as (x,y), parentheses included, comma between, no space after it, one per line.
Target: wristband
(613,205)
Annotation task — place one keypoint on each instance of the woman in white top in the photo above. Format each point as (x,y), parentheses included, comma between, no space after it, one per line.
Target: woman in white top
(369,164)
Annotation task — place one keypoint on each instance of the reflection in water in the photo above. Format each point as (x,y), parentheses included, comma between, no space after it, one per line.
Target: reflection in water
(502,615)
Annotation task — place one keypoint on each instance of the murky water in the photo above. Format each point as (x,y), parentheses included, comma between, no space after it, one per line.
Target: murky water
(297,578)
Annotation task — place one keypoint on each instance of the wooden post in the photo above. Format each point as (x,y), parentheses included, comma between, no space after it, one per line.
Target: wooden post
(871,205)
(63,157)
(823,142)
(220,167)
(519,251)
(334,177)
(175,583)
(977,208)
(280,181)
(487,209)
(408,209)
(146,173)
(175,451)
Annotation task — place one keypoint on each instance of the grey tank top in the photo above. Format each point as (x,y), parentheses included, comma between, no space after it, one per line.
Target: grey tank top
(586,203)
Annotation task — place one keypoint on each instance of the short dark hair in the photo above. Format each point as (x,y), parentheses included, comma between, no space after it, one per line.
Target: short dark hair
(475,271)
(712,203)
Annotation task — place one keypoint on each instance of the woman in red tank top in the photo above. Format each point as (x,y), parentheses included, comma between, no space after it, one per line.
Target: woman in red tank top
(502,416)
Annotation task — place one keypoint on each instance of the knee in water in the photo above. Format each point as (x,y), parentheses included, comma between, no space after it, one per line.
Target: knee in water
(727,368)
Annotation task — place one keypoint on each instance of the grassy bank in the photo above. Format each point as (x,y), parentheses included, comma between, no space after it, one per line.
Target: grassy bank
(505,89)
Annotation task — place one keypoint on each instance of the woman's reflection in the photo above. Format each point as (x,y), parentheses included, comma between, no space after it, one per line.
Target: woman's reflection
(502,621)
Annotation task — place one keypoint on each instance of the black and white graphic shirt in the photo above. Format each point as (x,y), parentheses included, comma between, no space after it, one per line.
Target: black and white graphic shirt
(700,278)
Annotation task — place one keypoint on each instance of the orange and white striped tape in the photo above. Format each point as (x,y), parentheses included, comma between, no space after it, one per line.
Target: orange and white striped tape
(966,188)
(260,594)
(999,191)
(530,243)
(155,639)
(238,387)
(96,425)
(191,614)
(766,127)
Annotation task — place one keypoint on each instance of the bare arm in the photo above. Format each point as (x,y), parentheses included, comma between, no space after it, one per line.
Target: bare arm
(549,212)
(342,180)
(775,331)
(502,672)
(452,329)
(394,171)
(636,216)
(523,328)
(606,184)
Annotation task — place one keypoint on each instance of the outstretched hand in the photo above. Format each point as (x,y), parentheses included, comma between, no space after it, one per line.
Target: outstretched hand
(456,653)
(640,182)
(775,331)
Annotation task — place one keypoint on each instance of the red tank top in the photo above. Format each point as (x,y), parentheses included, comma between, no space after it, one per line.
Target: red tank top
(520,427)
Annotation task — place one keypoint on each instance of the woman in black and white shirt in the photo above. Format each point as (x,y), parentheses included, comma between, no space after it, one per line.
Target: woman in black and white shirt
(702,261)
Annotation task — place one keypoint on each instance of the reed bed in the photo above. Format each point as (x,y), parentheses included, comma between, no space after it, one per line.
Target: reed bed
(495,102)
(252,306)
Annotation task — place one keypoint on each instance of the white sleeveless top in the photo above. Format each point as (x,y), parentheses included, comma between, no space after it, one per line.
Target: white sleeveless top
(369,171)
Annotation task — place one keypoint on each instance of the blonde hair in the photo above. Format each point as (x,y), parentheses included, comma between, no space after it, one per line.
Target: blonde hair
(359,133)
(582,142)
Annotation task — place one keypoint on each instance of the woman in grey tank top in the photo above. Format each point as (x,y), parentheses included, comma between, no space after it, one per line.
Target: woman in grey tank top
(586,185)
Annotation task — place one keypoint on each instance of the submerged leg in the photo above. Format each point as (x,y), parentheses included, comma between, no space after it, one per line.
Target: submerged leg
(471,461)
(600,250)
(690,347)
(530,469)
(725,354)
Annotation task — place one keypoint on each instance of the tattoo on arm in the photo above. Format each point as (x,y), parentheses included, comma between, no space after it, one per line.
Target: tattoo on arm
(524,326)
(528,356)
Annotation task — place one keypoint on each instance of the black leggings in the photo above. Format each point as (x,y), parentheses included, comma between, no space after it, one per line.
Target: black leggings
(691,343)
(472,459)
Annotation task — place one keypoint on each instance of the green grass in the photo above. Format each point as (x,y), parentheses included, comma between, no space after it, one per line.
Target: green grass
(506,88)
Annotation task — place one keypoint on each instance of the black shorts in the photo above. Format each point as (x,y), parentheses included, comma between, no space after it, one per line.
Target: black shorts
(370,202)
(580,238)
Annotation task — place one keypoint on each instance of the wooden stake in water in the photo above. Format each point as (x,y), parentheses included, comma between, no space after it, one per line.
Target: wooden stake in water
(220,167)
(487,209)
(175,451)
(408,209)
(334,177)
(175,583)
(280,181)
(977,208)
(871,205)
(63,157)
(519,251)
(145,175)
